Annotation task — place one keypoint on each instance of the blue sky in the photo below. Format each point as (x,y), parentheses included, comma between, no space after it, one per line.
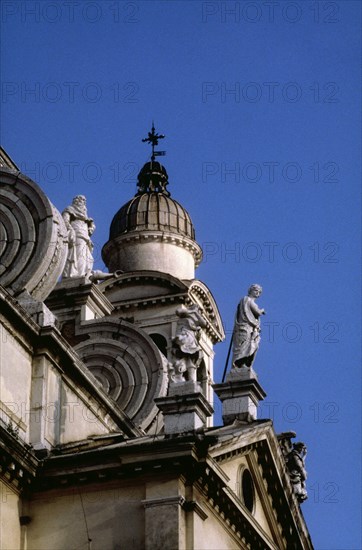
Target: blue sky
(260,103)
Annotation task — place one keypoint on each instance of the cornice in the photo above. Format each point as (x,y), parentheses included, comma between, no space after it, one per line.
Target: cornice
(18,464)
(156,236)
(189,292)
(183,457)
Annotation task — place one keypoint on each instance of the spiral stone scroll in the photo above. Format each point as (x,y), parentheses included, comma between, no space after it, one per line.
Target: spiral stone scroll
(33,238)
(129,366)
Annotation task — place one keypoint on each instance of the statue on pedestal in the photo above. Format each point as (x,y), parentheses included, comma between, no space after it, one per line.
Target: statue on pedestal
(80,247)
(186,351)
(246,335)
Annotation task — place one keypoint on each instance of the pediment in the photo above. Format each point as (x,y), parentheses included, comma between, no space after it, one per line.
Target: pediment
(252,460)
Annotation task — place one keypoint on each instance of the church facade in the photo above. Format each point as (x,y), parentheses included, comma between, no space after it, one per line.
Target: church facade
(107,438)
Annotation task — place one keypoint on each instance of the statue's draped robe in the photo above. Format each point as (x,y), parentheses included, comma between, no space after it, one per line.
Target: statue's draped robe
(246,336)
(80,260)
(186,337)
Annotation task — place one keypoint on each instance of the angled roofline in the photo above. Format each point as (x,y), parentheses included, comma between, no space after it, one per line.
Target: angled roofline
(7,162)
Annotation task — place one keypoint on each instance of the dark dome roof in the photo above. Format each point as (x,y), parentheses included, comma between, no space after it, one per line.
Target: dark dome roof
(153,212)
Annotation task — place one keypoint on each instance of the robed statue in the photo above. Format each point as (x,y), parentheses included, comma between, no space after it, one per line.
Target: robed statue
(246,335)
(297,471)
(80,247)
(186,351)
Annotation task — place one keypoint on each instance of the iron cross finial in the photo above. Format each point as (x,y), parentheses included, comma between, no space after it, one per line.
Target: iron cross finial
(153,140)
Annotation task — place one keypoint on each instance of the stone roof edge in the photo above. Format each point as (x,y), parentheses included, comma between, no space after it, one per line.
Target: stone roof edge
(264,439)
(186,289)
(210,304)
(144,275)
(8,161)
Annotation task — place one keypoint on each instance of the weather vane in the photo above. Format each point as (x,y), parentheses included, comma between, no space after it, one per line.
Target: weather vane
(153,140)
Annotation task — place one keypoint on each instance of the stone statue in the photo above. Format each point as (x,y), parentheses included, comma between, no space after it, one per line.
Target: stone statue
(80,247)
(297,471)
(246,335)
(186,351)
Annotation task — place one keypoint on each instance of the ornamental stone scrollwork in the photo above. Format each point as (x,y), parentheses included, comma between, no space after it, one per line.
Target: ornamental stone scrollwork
(246,335)
(33,238)
(186,351)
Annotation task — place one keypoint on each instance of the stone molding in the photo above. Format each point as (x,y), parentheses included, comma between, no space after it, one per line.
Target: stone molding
(18,465)
(194,506)
(199,291)
(181,291)
(164,501)
(187,505)
(155,236)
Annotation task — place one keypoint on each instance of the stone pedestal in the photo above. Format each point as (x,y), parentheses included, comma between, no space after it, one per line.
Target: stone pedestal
(74,301)
(185,409)
(78,297)
(240,395)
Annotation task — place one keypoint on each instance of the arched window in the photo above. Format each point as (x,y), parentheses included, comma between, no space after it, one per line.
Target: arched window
(202,377)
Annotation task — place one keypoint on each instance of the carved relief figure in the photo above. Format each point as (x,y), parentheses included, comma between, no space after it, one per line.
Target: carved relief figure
(246,336)
(297,471)
(80,228)
(186,351)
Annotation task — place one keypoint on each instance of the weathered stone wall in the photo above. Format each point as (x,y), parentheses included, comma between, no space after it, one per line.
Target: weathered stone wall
(138,515)
(110,515)
(15,380)
(10,530)
(38,402)
(211,534)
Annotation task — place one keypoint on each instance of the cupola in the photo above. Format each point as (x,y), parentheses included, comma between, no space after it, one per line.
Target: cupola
(152,231)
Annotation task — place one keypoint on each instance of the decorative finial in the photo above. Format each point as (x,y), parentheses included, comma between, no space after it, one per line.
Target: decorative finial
(153,140)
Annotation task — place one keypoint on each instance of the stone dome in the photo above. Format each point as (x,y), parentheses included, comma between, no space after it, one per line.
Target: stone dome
(152,231)
(154,212)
